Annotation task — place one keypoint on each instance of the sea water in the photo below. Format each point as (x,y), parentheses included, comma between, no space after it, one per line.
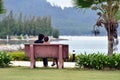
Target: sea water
(88,44)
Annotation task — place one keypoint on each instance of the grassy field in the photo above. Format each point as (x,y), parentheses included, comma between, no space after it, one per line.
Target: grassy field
(25,73)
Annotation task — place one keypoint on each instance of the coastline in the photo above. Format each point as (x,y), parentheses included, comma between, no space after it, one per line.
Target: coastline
(18,44)
(80,44)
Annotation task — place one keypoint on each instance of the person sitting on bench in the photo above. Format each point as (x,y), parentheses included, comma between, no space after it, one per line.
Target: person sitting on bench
(40,40)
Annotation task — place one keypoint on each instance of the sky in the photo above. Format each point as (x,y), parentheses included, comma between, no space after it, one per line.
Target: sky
(61,3)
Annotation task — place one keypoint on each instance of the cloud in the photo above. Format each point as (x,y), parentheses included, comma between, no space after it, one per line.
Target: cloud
(61,3)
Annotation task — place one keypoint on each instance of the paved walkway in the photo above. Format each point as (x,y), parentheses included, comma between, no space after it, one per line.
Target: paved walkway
(40,64)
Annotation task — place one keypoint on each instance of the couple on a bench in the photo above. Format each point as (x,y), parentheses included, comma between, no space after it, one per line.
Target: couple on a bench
(45,40)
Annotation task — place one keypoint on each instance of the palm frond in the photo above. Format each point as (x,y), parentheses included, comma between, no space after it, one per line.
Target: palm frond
(117,16)
(82,3)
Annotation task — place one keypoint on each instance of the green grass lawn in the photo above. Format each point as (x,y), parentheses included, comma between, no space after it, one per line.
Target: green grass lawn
(25,73)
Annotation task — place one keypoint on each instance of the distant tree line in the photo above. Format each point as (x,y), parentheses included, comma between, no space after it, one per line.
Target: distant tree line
(18,24)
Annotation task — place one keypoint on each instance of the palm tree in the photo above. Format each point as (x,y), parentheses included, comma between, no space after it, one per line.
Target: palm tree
(108,15)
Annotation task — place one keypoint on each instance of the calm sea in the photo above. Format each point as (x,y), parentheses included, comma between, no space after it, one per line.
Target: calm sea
(88,44)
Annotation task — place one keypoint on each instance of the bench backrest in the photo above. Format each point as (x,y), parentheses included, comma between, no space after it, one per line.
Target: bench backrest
(46,50)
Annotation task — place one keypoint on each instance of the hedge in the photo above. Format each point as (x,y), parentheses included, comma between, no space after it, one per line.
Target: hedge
(98,61)
(20,56)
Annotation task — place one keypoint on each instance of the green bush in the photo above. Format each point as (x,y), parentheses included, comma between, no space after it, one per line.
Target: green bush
(98,61)
(113,61)
(18,55)
(5,59)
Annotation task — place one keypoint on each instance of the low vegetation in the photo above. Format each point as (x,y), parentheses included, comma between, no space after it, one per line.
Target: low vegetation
(20,56)
(98,61)
(5,59)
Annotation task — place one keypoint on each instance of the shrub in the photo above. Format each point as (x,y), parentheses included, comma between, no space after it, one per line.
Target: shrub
(18,55)
(82,60)
(98,61)
(5,59)
(113,61)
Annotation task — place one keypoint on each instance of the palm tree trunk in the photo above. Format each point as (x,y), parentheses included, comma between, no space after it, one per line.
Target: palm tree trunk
(109,29)
(110,44)
(110,37)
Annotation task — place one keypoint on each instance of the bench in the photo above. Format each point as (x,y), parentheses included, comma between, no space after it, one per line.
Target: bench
(58,51)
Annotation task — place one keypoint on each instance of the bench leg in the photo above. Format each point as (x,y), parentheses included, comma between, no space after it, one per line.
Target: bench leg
(32,63)
(60,60)
(60,64)
(32,57)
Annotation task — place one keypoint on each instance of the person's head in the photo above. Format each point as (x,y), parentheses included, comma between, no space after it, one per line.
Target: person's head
(46,39)
(40,36)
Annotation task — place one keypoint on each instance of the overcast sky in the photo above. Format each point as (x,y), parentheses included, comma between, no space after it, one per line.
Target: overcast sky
(62,3)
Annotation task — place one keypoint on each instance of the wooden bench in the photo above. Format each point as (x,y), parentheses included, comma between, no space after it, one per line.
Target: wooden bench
(59,51)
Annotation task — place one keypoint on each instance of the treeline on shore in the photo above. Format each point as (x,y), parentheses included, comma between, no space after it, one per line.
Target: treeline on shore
(18,24)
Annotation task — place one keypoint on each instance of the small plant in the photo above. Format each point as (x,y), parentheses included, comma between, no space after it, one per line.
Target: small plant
(5,59)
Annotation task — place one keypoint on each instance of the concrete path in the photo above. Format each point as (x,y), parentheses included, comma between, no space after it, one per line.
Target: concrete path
(40,64)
